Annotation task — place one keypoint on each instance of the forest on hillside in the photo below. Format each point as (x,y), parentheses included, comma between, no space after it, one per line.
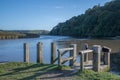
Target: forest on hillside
(99,21)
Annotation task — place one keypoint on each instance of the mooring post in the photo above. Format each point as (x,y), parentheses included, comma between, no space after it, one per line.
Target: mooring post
(39,52)
(85,47)
(26,52)
(96,57)
(53,52)
(73,54)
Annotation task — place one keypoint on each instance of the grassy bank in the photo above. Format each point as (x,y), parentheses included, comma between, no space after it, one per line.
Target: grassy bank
(29,71)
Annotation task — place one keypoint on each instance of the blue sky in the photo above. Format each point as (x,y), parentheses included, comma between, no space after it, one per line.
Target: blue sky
(40,14)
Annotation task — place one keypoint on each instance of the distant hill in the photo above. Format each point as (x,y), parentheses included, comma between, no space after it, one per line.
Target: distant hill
(99,21)
(41,32)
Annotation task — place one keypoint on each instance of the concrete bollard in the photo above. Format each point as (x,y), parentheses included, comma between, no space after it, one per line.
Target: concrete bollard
(39,52)
(53,52)
(26,52)
(96,57)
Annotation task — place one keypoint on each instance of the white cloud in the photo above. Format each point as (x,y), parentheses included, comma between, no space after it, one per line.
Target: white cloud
(59,7)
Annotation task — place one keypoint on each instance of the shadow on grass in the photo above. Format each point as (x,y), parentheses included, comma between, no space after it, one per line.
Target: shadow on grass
(36,69)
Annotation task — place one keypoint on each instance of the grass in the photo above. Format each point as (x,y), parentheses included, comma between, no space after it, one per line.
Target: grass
(30,71)
(24,71)
(91,75)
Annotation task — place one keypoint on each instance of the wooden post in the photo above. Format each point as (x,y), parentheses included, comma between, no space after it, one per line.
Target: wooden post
(59,58)
(73,54)
(81,61)
(85,47)
(39,52)
(96,57)
(26,52)
(53,52)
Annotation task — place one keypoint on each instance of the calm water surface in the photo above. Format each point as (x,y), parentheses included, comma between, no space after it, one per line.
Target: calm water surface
(12,50)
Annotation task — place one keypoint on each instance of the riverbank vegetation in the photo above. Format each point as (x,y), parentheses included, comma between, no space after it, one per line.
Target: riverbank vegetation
(99,21)
(14,34)
(30,71)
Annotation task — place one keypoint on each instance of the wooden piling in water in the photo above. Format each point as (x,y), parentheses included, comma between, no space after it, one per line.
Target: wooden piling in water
(26,52)
(39,52)
(53,52)
(96,57)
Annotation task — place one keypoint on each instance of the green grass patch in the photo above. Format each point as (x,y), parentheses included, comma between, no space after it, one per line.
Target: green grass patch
(63,67)
(24,71)
(91,75)
(30,71)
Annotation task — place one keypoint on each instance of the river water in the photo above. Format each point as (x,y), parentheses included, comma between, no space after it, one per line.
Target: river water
(12,50)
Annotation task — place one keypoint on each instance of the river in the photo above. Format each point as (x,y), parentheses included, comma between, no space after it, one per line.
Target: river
(12,50)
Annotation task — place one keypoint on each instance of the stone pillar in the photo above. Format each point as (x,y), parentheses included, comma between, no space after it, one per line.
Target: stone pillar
(73,54)
(85,47)
(39,52)
(96,57)
(26,52)
(53,52)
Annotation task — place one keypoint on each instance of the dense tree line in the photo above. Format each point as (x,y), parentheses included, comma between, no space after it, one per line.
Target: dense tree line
(99,21)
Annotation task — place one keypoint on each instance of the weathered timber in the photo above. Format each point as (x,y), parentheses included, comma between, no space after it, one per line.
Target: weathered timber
(53,52)
(73,54)
(26,52)
(106,52)
(96,57)
(59,58)
(71,58)
(86,51)
(85,47)
(61,55)
(66,59)
(81,61)
(65,49)
(39,52)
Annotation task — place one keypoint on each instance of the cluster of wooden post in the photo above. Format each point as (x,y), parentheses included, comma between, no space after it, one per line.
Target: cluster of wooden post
(84,55)
(96,49)
(72,55)
(39,52)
